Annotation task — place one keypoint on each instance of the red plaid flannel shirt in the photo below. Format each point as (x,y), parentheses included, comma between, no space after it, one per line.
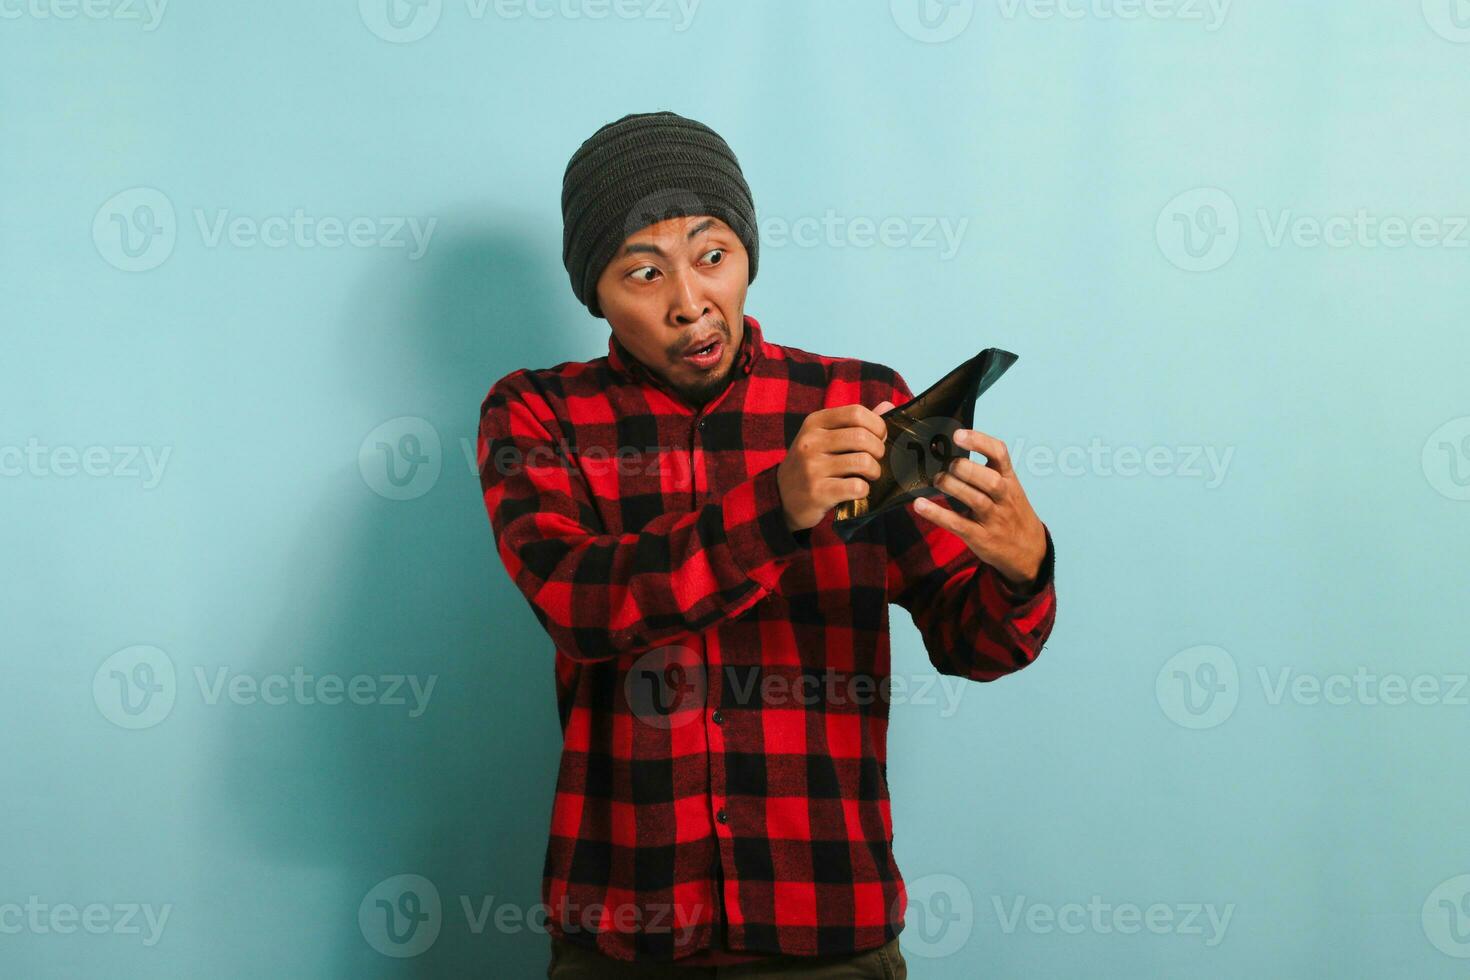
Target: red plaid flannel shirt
(708,775)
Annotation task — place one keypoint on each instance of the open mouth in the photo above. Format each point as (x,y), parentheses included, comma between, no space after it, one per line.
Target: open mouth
(706,356)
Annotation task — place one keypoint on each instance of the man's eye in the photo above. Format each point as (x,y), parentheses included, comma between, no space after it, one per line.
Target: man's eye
(640,271)
(716,251)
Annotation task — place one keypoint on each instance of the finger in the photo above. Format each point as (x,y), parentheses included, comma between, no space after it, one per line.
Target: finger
(847,416)
(852,439)
(851,464)
(997,457)
(839,417)
(972,497)
(944,517)
(882,407)
(836,489)
(983,478)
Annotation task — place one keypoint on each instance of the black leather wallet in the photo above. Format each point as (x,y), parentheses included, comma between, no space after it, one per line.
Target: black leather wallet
(919,442)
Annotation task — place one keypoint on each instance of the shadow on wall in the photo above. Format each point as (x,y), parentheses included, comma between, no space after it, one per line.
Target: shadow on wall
(461,793)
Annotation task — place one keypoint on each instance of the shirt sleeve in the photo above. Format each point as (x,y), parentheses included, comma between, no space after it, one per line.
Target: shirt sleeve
(600,595)
(973,622)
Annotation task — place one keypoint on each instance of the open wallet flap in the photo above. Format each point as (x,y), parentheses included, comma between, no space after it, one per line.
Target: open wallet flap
(919,444)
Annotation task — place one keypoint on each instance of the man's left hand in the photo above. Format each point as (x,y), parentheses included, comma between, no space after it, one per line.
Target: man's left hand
(1002,529)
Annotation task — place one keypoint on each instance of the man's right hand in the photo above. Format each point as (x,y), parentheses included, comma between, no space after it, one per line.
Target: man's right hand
(831,460)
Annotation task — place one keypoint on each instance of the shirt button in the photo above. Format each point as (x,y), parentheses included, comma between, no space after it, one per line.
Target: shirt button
(701,423)
(718,717)
(722,817)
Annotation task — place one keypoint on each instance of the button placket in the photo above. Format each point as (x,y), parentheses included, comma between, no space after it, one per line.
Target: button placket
(717,730)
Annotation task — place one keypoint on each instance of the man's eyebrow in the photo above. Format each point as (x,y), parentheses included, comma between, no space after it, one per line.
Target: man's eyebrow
(641,247)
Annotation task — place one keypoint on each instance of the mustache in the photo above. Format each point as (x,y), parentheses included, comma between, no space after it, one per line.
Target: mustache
(676,350)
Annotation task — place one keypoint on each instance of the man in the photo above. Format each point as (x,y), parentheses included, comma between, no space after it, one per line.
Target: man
(722,655)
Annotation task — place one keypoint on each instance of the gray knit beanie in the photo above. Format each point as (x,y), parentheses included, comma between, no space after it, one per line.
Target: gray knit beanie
(640,170)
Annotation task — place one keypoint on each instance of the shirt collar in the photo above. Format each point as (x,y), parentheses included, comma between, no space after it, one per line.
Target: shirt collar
(751,350)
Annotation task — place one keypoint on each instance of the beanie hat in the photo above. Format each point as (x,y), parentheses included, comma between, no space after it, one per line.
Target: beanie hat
(640,170)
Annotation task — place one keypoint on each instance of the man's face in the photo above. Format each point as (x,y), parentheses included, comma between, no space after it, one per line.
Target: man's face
(675,288)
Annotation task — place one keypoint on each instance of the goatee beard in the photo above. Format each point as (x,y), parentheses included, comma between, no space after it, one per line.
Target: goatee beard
(705,391)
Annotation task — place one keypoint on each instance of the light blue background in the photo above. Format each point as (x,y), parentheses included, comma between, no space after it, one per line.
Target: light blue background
(1328,379)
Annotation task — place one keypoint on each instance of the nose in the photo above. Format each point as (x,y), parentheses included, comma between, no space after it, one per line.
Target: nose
(688,304)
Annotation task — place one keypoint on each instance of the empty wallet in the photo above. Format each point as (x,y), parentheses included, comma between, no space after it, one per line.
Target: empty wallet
(920,443)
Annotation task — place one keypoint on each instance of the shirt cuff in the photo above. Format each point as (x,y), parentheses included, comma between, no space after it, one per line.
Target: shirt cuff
(756,531)
(1017,598)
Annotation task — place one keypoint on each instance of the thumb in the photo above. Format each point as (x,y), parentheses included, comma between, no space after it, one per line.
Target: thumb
(882,407)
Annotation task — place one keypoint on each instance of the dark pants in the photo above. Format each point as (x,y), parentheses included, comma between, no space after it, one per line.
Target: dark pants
(571,962)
